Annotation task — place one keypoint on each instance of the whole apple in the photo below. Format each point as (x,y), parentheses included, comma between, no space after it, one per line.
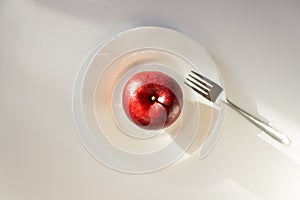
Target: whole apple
(152,100)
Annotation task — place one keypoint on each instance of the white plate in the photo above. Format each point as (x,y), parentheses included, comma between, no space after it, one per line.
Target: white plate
(102,125)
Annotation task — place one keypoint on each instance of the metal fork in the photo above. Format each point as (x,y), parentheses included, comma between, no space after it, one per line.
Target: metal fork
(211,91)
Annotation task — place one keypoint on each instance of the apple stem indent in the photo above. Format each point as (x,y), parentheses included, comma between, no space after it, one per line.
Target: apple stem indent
(153,98)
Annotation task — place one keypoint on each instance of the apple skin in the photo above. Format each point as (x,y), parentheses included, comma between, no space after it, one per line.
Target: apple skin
(152,100)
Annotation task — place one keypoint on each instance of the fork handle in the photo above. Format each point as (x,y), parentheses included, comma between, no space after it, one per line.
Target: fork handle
(265,127)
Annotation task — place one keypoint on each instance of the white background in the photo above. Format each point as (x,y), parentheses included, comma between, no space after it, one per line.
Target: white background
(256,45)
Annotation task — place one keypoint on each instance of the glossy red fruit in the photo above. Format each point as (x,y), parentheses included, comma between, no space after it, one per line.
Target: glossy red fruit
(152,100)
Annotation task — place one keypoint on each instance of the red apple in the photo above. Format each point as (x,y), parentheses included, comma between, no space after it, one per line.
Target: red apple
(152,100)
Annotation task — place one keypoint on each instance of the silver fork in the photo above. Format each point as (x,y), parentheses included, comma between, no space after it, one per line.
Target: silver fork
(211,91)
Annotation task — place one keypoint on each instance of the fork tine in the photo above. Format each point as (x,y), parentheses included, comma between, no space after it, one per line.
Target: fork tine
(195,89)
(204,78)
(203,85)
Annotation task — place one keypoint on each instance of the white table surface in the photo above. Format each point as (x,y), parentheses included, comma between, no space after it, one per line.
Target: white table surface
(256,45)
